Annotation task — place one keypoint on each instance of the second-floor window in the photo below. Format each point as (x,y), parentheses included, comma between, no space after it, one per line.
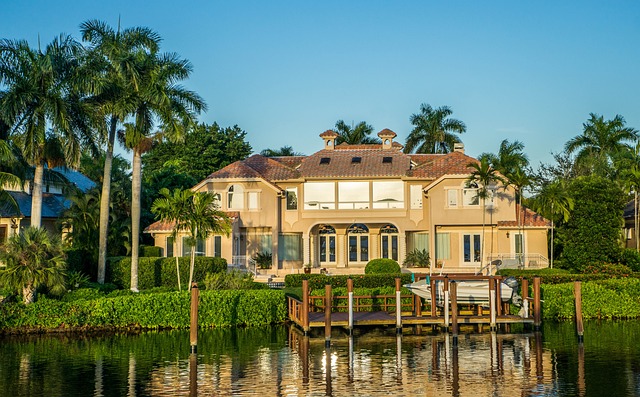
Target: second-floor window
(319,196)
(252,198)
(470,194)
(292,198)
(235,197)
(388,194)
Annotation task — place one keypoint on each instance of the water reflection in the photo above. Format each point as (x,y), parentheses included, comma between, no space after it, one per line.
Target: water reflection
(274,361)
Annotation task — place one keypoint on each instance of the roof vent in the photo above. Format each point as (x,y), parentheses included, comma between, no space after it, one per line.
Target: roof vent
(387,160)
(458,147)
(356,160)
(325,160)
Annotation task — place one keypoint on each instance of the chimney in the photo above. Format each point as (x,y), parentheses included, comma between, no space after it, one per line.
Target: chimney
(458,147)
(329,137)
(387,136)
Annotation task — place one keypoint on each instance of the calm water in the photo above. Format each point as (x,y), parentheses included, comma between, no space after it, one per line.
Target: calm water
(274,361)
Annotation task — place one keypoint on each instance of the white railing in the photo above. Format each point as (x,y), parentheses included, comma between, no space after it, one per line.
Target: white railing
(516,261)
(239,261)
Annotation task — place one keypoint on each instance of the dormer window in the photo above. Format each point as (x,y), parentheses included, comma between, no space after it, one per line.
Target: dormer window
(387,160)
(325,160)
(356,160)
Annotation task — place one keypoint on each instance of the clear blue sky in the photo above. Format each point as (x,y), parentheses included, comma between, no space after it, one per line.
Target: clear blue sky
(287,71)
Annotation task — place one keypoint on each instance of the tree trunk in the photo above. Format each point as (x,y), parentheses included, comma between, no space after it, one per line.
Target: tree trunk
(105,199)
(177,266)
(136,177)
(29,294)
(193,263)
(36,196)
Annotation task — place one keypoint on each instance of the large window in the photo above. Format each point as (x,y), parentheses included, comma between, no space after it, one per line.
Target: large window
(186,247)
(235,197)
(389,242)
(353,195)
(419,241)
(443,246)
(292,198)
(327,244)
(388,194)
(290,247)
(471,253)
(319,195)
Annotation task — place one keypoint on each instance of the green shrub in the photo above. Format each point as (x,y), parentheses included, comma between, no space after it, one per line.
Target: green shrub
(417,258)
(77,280)
(150,251)
(609,269)
(234,279)
(382,266)
(318,281)
(82,294)
(80,260)
(263,259)
(153,311)
(161,272)
(631,258)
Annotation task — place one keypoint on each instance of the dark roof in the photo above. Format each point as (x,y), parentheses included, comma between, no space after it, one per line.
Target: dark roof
(80,180)
(52,205)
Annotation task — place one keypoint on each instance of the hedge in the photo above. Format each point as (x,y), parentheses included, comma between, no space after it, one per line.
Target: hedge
(559,276)
(161,272)
(148,311)
(318,281)
(612,298)
(150,251)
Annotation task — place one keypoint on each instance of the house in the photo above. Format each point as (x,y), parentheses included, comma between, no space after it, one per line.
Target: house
(347,204)
(13,218)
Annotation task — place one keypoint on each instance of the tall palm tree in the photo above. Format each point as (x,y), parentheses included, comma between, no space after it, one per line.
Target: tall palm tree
(600,141)
(282,152)
(159,100)
(40,103)
(195,213)
(509,159)
(114,82)
(433,131)
(553,202)
(7,178)
(628,166)
(486,177)
(355,135)
(520,179)
(34,259)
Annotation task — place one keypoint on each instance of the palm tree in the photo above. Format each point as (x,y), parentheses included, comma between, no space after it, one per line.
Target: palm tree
(554,202)
(7,178)
(282,152)
(195,213)
(520,179)
(433,130)
(628,166)
(34,259)
(41,105)
(600,141)
(81,220)
(485,176)
(354,135)
(114,82)
(509,159)
(160,98)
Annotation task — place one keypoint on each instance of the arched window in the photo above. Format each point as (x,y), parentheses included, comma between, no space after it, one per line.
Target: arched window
(327,244)
(389,242)
(235,197)
(358,238)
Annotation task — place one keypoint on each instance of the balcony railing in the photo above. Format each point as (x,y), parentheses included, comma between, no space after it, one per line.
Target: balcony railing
(514,261)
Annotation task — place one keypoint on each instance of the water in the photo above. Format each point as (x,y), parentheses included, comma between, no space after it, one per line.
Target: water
(274,361)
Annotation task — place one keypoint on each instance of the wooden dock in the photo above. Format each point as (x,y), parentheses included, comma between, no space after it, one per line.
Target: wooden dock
(410,310)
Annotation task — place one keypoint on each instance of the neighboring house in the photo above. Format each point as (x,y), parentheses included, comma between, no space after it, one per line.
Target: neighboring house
(53,202)
(630,225)
(345,205)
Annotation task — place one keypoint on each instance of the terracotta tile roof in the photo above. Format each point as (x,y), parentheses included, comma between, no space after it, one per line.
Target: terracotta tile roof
(341,163)
(290,161)
(387,133)
(271,169)
(329,133)
(162,226)
(235,170)
(528,217)
(454,163)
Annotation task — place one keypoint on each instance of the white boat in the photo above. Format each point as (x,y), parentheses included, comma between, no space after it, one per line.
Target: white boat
(468,291)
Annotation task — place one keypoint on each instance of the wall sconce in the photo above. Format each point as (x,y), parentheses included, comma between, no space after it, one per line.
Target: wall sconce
(507,234)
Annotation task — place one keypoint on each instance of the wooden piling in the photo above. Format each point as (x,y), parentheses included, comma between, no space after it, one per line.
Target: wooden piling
(305,306)
(434,309)
(537,307)
(327,315)
(446,302)
(577,285)
(195,298)
(498,285)
(525,297)
(350,293)
(417,304)
(398,307)
(454,311)
(492,304)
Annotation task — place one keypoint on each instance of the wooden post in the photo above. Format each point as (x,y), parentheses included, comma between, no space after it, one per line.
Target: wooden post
(498,282)
(417,304)
(350,293)
(195,297)
(446,302)
(398,307)
(305,306)
(327,315)
(537,307)
(492,303)
(578,296)
(454,311)
(525,297)
(193,375)
(434,285)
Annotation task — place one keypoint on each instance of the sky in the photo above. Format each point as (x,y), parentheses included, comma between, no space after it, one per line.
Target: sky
(287,71)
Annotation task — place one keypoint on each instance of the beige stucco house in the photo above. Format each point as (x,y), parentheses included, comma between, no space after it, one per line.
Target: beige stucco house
(347,204)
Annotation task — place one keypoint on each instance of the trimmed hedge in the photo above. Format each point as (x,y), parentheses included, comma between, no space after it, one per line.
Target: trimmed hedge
(150,251)
(318,281)
(612,298)
(149,311)
(161,272)
(382,266)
